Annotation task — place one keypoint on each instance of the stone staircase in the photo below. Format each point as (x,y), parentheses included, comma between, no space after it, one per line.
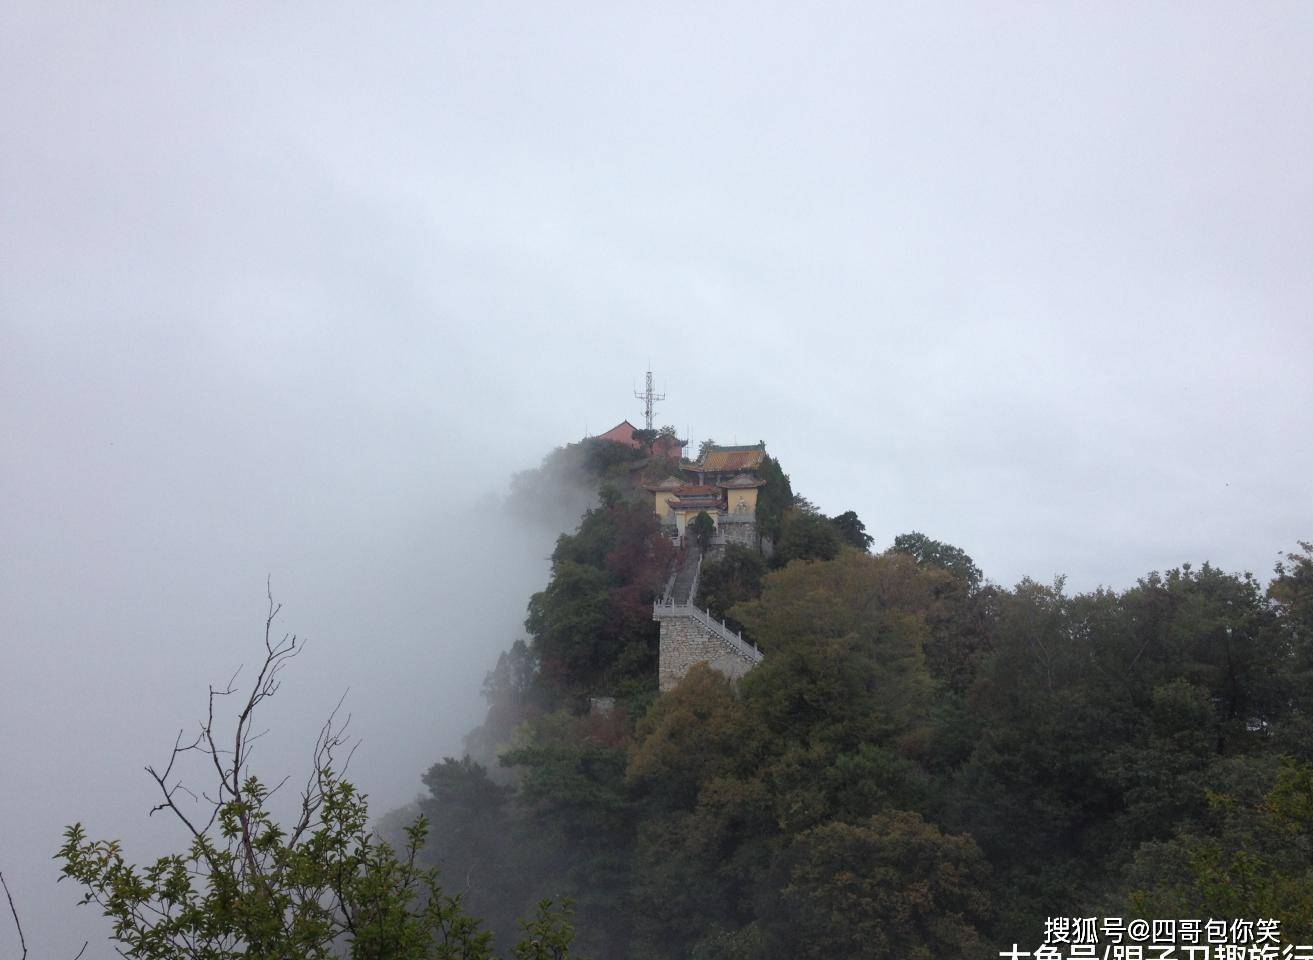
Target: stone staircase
(682,589)
(690,634)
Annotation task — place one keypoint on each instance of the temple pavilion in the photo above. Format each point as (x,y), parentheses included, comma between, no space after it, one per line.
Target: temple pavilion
(722,483)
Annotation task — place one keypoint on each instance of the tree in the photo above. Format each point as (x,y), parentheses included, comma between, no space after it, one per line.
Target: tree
(690,736)
(703,529)
(805,535)
(891,886)
(509,690)
(844,662)
(1291,591)
(606,460)
(567,621)
(592,626)
(734,578)
(248,886)
(471,818)
(573,798)
(938,554)
(1252,859)
(852,531)
(772,499)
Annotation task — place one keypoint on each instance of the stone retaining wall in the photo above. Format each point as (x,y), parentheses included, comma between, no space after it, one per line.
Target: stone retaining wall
(686,641)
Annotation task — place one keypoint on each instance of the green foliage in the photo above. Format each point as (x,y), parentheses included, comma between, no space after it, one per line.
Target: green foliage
(891,887)
(690,736)
(1291,593)
(223,898)
(703,528)
(1292,589)
(567,621)
(592,629)
(844,660)
(772,499)
(297,904)
(472,821)
(852,531)
(548,935)
(937,554)
(1161,773)
(1253,858)
(576,817)
(733,579)
(605,460)
(805,535)
(511,694)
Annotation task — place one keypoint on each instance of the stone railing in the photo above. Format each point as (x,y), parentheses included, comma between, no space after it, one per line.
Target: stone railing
(668,608)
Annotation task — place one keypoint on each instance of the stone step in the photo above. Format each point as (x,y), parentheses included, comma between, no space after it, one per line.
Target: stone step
(683,584)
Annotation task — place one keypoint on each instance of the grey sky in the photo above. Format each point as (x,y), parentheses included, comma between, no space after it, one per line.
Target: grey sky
(292,291)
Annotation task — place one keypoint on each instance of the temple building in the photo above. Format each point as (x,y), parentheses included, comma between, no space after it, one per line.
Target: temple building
(622,433)
(723,484)
(665,444)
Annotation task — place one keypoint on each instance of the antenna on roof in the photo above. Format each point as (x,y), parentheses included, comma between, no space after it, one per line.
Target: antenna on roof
(649,397)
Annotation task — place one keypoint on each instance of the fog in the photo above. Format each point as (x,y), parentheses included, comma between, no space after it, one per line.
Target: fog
(291,293)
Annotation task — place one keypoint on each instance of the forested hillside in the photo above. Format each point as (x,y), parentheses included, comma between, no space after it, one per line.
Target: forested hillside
(926,764)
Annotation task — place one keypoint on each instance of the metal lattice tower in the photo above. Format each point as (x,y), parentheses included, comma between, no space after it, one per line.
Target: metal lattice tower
(649,398)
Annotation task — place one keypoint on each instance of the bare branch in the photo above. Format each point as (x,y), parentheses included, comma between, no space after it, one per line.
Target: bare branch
(13,910)
(168,803)
(279,786)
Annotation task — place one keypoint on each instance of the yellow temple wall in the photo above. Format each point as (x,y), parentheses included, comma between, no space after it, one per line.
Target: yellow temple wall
(749,497)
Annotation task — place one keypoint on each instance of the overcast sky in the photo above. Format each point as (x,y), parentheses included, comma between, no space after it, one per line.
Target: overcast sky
(292,289)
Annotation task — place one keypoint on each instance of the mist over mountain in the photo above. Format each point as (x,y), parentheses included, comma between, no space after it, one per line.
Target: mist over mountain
(289,296)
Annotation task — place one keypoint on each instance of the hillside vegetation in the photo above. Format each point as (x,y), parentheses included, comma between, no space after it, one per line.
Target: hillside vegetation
(925,765)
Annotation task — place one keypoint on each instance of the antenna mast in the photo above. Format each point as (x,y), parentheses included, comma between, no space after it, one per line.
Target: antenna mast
(649,398)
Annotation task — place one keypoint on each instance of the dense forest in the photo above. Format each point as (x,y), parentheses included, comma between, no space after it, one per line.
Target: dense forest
(926,764)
